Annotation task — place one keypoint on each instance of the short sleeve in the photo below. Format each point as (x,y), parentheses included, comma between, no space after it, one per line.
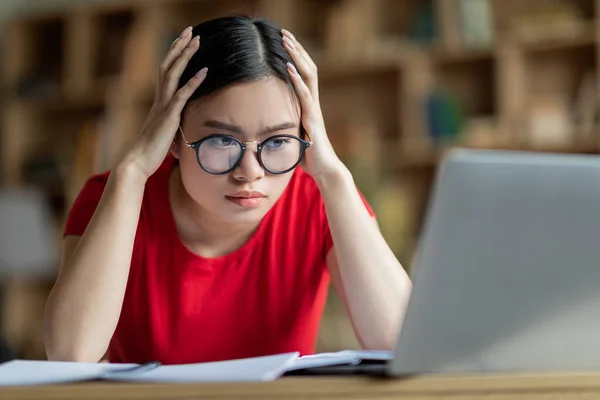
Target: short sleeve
(328,238)
(85,205)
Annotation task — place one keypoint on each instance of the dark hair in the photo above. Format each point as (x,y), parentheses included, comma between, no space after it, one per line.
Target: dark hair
(237,49)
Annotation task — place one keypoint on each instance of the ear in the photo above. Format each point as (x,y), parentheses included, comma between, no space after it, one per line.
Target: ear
(175,148)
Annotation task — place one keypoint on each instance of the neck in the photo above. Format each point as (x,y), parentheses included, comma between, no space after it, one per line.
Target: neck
(201,231)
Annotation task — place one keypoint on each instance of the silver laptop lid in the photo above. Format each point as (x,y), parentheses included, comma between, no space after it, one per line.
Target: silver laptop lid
(508,273)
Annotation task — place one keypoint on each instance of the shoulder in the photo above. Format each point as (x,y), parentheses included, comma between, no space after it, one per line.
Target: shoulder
(302,184)
(91,191)
(88,198)
(301,208)
(302,192)
(85,204)
(94,186)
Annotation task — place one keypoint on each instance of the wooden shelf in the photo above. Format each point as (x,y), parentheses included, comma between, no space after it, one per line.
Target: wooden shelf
(330,70)
(431,158)
(461,56)
(588,37)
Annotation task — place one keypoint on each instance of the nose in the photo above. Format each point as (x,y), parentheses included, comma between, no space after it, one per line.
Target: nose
(249,169)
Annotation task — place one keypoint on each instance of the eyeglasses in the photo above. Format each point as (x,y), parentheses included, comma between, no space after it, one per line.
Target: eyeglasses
(220,154)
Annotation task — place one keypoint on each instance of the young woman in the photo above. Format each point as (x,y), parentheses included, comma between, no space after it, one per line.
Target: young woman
(218,233)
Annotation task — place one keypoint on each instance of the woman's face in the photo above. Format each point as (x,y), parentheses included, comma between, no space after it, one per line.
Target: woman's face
(250,111)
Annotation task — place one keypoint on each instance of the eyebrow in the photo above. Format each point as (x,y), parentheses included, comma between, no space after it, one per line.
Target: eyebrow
(211,123)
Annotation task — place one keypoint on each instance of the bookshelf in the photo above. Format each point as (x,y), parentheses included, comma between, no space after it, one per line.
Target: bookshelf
(402,81)
(389,66)
(498,71)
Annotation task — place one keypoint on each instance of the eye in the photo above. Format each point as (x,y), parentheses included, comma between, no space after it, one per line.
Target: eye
(221,141)
(277,143)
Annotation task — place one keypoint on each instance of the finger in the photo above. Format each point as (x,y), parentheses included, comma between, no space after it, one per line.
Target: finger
(181,97)
(303,66)
(176,48)
(174,52)
(171,79)
(297,58)
(301,50)
(304,93)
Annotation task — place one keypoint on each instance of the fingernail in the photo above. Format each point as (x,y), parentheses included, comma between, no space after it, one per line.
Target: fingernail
(285,31)
(194,41)
(291,67)
(201,74)
(289,42)
(185,32)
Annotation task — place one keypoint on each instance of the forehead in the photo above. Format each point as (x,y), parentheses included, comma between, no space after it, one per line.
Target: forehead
(251,105)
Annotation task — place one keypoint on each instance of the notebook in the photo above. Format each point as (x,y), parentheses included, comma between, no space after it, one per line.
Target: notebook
(256,369)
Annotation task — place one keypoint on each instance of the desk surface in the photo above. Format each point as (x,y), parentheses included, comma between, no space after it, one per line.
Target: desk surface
(531,387)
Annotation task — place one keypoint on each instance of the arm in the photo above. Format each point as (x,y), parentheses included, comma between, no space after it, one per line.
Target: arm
(365,273)
(83,308)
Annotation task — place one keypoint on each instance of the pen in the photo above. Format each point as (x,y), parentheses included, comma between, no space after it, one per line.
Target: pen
(147,366)
(138,369)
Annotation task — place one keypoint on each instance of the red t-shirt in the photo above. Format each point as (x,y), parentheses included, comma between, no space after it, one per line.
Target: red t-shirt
(267,297)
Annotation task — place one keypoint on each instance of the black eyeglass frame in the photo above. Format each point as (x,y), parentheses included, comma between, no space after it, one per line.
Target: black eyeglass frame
(259,145)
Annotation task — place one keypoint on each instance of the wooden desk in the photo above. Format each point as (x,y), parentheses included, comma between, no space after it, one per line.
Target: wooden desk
(529,387)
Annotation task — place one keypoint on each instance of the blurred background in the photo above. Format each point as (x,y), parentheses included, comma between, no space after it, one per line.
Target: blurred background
(401,82)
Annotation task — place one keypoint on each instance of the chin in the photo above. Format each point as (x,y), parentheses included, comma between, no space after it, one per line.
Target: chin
(244,214)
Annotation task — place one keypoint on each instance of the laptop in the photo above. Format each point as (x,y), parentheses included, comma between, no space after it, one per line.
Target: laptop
(507,276)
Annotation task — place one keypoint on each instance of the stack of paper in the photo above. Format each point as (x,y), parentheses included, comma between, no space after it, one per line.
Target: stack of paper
(20,372)
(267,368)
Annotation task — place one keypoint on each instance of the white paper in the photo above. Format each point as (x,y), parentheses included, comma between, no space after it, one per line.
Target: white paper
(25,372)
(255,369)
(267,368)
(344,357)
(324,359)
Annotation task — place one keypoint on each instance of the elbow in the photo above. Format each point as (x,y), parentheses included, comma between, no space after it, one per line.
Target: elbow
(65,344)
(384,330)
(388,342)
(384,338)
(383,335)
(73,357)
(385,342)
(70,352)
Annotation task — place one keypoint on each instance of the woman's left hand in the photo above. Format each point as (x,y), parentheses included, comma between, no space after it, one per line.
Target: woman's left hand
(320,159)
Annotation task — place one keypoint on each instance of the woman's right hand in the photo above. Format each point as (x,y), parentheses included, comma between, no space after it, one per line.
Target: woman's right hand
(163,121)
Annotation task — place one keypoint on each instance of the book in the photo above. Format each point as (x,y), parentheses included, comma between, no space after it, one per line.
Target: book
(476,21)
(255,369)
(445,116)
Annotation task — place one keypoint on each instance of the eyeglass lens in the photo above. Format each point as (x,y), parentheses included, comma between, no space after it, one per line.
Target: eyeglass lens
(220,154)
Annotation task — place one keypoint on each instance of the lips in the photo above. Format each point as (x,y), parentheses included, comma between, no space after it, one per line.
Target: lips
(244,194)
(246,199)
